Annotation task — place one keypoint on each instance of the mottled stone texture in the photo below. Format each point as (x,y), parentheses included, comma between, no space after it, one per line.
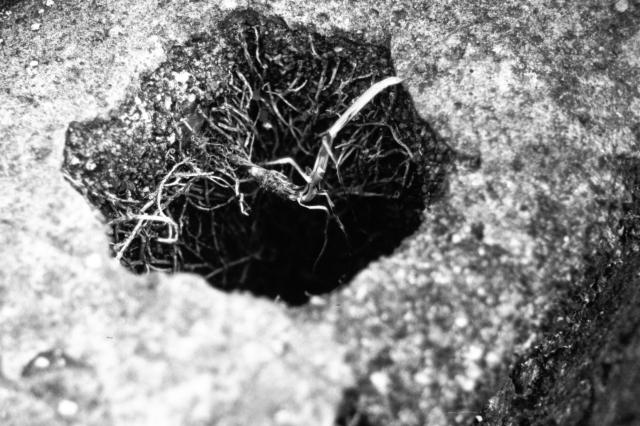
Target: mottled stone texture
(153,350)
(515,303)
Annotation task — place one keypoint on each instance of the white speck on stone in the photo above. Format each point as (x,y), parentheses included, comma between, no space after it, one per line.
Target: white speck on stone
(35,26)
(90,165)
(622,5)
(5,118)
(461,322)
(115,31)
(475,353)
(498,49)
(441,277)
(33,64)
(492,358)
(93,261)
(493,403)
(504,79)
(479,419)
(423,377)
(40,11)
(474,372)
(361,293)
(453,41)
(475,179)
(408,417)
(317,301)
(67,408)
(466,383)
(41,362)
(284,417)
(181,77)
(49,3)
(380,381)
(228,4)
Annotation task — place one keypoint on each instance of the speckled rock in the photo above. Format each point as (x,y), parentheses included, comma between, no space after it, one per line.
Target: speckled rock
(515,302)
(82,341)
(532,259)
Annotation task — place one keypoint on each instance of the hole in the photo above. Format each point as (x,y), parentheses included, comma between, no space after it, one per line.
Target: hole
(193,172)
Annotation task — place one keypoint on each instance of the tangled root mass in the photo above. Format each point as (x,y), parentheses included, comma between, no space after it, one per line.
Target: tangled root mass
(184,171)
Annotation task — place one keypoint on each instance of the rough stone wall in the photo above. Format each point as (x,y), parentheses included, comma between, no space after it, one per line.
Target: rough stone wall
(515,303)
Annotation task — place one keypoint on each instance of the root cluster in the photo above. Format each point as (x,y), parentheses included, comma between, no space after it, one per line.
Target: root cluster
(220,197)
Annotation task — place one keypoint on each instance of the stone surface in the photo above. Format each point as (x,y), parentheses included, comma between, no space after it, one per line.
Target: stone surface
(158,350)
(515,302)
(533,258)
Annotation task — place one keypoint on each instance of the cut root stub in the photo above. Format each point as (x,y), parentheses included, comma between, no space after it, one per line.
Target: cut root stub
(206,166)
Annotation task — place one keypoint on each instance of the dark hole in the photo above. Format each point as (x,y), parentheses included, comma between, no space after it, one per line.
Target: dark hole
(190,148)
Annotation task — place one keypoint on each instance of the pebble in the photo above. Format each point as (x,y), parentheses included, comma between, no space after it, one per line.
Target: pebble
(49,3)
(35,26)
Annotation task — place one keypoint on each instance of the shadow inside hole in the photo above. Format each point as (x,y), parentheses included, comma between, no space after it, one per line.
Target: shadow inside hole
(283,250)
(284,88)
